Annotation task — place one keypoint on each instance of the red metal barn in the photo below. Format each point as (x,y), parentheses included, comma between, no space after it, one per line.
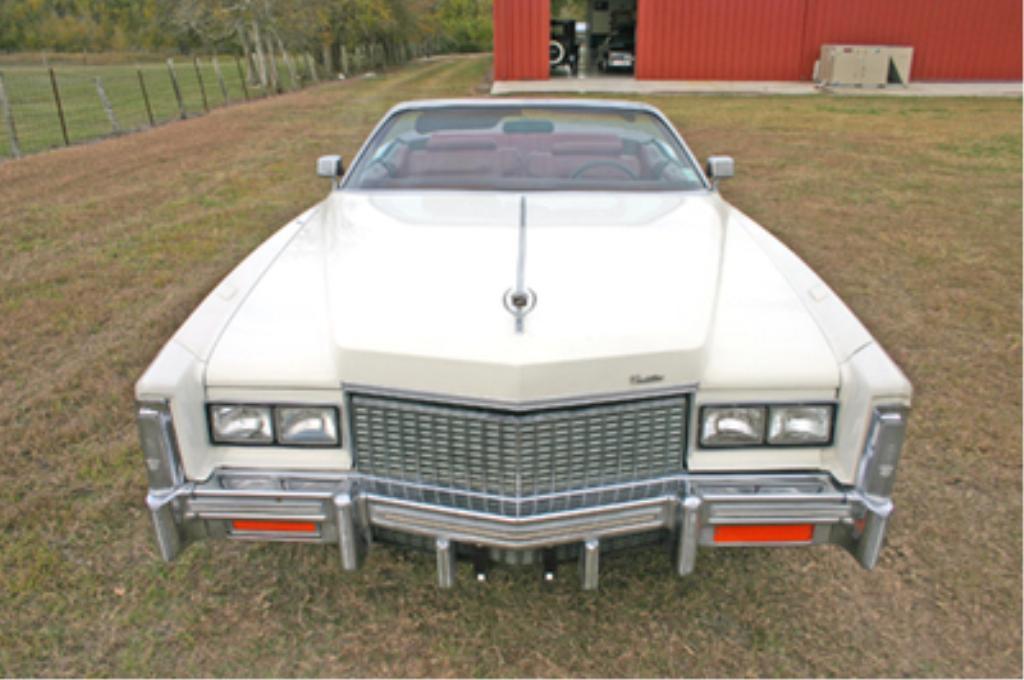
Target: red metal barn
(773,39)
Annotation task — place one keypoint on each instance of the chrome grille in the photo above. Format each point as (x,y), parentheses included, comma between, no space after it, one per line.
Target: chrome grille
(498,458)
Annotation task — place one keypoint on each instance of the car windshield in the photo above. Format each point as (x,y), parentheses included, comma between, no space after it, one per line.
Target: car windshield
(532,148)
(621,44)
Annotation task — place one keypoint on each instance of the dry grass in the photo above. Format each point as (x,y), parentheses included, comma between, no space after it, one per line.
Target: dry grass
(910,208)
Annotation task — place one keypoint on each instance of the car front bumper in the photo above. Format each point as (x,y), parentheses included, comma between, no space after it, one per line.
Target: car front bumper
(353,510)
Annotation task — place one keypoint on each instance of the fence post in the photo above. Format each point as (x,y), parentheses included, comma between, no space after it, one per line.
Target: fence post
(311,67)
(60,107)
(220,79)
(12,132)
(145,95)
(202,88)
(115,127)
(241,79)
(177,90)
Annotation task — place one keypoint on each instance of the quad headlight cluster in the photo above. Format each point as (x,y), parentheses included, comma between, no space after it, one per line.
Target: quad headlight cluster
(769,424)
(283,425)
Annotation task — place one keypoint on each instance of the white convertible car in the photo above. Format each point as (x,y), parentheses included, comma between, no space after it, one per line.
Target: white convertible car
(525,332)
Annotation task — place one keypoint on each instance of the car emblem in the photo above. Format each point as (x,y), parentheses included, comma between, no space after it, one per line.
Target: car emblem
(645,378)
(520,303)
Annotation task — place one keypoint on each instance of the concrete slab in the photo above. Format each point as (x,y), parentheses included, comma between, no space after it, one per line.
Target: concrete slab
(995,89)
(625,85)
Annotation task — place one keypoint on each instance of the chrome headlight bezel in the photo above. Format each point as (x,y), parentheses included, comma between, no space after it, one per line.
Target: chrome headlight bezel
(768,409)
(275,439)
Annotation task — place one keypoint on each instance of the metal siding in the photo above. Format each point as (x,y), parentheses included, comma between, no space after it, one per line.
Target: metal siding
(719,39)
(781,39)
(952,39)
(521,33)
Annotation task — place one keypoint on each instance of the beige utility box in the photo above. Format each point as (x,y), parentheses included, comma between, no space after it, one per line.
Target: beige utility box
(864,65)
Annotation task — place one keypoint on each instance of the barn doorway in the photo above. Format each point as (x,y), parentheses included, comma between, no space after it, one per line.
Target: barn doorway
(593,38)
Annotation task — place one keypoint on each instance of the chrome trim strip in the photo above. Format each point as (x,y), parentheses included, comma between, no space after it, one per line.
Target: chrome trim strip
(209,507)
(521,311)
(541,531)
(519,406)
(283,537)
(230,515)
(746,512)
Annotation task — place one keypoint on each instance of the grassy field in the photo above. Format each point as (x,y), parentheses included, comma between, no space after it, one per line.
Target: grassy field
(35,112)
(910,208)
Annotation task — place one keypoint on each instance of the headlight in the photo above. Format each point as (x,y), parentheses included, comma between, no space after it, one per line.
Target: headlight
(796,425)
(241,424)
(732,426)
(767,424)
(285,425)
(307,425)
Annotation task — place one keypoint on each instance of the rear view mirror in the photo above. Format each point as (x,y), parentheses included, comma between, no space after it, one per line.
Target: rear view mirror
(331,167)
(719,168)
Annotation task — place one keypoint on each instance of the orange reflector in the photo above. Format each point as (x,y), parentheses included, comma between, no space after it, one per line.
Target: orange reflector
(276,526)
(764,533)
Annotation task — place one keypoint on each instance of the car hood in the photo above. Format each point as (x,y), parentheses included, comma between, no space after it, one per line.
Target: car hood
(405,291)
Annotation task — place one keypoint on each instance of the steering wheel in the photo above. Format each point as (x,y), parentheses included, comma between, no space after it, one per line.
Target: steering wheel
(603,163)
(388,166)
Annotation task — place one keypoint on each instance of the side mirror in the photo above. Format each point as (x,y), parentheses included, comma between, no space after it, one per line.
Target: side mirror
(719,168)
(331,167)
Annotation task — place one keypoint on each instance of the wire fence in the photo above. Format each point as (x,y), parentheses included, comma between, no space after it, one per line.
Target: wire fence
(43,107)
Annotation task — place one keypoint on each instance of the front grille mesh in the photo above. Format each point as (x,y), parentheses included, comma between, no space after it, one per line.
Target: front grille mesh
(517,455)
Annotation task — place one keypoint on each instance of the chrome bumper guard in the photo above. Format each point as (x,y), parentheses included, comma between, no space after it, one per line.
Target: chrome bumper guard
(346,508)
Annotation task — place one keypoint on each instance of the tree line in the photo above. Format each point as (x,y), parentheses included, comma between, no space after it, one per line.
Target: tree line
(250,27)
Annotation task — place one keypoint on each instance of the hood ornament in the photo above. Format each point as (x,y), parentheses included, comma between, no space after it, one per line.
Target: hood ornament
(520,301)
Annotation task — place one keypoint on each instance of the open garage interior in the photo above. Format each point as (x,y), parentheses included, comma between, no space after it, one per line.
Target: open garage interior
(593,38)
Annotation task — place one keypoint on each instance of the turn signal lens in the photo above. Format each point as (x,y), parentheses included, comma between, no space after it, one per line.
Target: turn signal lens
(274,526)
(764,533)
